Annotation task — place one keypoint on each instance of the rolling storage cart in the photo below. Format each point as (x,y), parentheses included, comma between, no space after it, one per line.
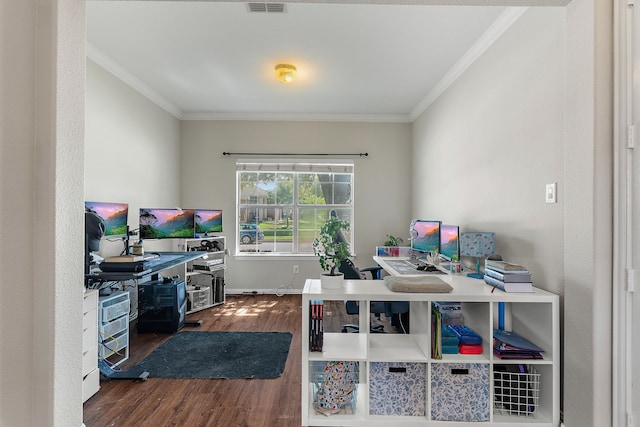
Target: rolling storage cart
(400,384)
(113,327)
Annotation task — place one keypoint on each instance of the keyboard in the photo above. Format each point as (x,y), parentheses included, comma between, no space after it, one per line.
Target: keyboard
(466,335)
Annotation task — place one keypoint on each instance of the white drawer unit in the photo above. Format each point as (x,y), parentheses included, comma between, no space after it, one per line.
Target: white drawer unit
(401,384)
(90,372)
(113,327)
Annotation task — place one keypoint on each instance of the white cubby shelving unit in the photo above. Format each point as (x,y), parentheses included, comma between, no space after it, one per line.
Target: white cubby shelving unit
(204,277)
(535,316)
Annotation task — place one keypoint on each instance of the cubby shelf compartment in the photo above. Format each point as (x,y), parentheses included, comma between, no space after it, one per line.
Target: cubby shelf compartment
(533,315)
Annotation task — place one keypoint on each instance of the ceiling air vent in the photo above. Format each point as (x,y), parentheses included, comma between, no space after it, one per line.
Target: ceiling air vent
(266,7)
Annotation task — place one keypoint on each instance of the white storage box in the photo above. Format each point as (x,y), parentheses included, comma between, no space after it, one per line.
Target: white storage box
(114,327)
(199,298)
(114,306)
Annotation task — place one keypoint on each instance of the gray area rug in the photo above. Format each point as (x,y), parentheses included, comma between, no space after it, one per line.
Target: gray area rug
(218,355)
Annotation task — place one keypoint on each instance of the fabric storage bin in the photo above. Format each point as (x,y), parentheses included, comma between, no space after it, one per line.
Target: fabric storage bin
(397,388)
(460,391)
(335,386)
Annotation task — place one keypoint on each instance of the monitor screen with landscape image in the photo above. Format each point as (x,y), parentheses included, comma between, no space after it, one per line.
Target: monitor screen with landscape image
(425,236)
(449,242)
(167,223)
(208,222)
(114,215)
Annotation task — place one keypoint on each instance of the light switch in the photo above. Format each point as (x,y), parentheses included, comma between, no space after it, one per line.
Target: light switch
(551,196)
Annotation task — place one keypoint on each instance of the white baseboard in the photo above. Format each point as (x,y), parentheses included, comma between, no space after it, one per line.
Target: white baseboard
(277,291)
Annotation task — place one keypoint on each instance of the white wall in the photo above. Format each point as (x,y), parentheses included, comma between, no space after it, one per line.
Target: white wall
(535,109)
(41,167)
(382,190)
(485,149)
(132,151)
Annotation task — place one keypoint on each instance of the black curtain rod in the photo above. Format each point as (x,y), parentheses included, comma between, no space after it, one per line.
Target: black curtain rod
(226,153)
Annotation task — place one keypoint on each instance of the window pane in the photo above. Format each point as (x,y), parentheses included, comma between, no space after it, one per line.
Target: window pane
(284,189)
(282,211)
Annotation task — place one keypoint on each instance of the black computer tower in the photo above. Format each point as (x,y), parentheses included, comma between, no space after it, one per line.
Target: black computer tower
(162,306)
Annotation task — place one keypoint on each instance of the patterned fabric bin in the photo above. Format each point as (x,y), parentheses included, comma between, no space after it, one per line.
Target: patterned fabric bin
(460,391)
(397,388)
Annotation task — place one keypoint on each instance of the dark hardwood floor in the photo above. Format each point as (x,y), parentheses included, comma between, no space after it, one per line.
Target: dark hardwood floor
(160,402)
(209,402)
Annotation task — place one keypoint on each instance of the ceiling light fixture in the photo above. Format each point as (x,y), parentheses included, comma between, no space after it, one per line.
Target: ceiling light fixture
(286,73)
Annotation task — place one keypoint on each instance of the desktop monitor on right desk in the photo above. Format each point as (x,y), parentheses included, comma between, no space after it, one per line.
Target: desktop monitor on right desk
(425,236)
(449,242)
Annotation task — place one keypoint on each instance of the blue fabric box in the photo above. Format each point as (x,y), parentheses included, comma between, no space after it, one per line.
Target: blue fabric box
(460,391)
(397,388)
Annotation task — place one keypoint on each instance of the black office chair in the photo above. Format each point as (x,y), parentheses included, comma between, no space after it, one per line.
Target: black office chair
(391,308)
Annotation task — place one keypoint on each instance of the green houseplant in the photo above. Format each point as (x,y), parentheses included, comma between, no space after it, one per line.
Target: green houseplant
(392,241)
(332,249)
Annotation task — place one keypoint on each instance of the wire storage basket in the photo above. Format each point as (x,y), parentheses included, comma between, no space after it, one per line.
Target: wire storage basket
(516,390)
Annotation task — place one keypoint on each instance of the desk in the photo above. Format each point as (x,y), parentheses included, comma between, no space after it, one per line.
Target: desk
(165,261)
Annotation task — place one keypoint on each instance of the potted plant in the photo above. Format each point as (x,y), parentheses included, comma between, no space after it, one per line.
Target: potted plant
(332,249)
(392,241)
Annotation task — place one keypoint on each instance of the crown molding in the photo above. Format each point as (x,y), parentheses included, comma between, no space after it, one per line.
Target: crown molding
(265,117)
(494,32)
(100,58)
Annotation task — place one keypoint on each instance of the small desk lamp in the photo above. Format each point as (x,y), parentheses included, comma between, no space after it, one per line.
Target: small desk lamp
(477,245)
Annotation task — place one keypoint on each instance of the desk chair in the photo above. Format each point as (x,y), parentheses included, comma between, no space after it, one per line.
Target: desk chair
(391,309)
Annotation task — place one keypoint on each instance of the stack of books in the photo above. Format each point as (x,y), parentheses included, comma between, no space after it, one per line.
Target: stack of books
(507,277)
(509,345)
(316,327)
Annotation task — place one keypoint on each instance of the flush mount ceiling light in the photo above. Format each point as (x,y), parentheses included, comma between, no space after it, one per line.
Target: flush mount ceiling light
(286,73)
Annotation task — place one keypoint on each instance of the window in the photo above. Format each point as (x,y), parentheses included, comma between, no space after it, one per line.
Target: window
(282,205)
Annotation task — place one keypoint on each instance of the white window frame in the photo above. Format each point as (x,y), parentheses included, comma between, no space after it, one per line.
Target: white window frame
(297,166)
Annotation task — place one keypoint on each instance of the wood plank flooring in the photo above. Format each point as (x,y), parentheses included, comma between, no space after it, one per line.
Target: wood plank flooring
(161,402)
(210,402)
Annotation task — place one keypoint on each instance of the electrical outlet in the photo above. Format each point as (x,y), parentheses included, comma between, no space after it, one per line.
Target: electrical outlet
(296,269)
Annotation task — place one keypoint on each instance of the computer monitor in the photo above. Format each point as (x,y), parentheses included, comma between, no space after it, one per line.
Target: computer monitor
(425,235)
(167,223)
(208,222)
(449,243)
(115,217)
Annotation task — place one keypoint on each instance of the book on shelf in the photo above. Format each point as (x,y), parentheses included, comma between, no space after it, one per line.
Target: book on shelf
(508,286)
(505,267)
(508,277)
(510,345)
(316,327)
(436,333)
